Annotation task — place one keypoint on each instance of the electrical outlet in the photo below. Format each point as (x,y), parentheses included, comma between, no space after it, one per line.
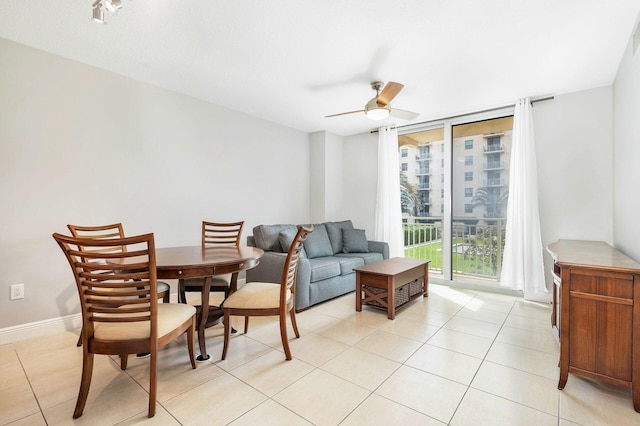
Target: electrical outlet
(17,291)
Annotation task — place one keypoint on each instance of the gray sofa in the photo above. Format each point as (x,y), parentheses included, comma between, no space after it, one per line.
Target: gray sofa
(330,253)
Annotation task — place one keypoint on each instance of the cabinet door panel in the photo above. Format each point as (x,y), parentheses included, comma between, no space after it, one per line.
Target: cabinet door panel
(614,340)
(583,333)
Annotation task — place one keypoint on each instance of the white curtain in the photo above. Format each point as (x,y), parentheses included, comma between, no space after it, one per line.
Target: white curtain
(388,220)
(522,267)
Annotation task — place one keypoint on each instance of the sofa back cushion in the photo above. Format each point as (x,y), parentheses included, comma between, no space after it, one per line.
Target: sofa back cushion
(354,241)
(317,243)
(267,237)
(334,230)
(286,239)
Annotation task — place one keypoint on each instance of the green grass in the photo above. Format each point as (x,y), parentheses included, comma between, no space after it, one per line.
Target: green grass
(470,265)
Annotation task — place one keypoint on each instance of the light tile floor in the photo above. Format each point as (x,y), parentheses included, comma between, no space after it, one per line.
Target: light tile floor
(458,357)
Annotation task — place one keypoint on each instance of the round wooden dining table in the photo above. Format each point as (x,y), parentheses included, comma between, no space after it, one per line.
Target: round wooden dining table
(203,262)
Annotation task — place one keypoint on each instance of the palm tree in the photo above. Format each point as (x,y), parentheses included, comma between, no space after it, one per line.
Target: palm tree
(492,199)
(410,198)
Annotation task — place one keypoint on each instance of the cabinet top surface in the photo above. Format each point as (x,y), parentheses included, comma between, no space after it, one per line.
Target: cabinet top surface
(590,253)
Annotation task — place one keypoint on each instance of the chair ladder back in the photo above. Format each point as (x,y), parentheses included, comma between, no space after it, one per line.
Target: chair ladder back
(291,263)
(221,233)
(114,286)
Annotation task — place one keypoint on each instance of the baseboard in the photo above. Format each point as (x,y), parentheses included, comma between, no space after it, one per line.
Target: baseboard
(40,328)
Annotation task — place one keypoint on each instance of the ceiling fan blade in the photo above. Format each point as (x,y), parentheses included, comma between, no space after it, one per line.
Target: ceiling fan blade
(404,114)
(343,113)
(390,91)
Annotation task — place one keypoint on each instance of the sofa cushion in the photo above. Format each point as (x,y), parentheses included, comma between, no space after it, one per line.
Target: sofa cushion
(348,263)
(286,239)
(334,230)
(323,268)
(267,237)
(317,243)
(354,241)
(368,258)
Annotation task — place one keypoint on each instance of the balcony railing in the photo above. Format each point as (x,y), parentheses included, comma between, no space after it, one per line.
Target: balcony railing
(493,148)
(424,172)
(477,249)
(424,156)
(493,182)
(493,165)
(424,187)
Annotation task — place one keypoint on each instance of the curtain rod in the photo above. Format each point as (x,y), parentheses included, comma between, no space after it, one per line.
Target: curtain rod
(533,101)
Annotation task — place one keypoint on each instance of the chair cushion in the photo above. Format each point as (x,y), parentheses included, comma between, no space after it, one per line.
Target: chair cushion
(256,295)
(334,229)
(170,317)
(267,236)
(354,241)
(317,243)
(286,239)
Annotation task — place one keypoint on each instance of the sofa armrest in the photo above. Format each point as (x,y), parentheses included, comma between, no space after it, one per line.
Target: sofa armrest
(270,268)
(379,247)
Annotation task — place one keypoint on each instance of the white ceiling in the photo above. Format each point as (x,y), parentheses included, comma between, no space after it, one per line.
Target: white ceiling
(294,61)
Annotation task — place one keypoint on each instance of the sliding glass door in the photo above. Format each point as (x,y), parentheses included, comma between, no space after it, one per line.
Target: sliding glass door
(455,187)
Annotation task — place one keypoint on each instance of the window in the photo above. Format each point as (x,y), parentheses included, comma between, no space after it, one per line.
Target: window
(468,144)
(468,160)
(442,193)
(442,178)
(442,163)
(441,208)
(468,208)
(468,176)
(405,179)
(404,152)
(405,167)
(442,148)
(468,192)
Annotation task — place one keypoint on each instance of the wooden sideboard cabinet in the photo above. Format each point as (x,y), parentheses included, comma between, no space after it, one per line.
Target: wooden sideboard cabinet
(596,313)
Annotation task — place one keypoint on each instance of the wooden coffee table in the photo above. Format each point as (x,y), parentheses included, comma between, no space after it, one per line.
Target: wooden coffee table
(391,284)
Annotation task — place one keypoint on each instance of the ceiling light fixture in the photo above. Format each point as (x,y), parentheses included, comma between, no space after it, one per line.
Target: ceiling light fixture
(113,5)
(98,9)
(97,14)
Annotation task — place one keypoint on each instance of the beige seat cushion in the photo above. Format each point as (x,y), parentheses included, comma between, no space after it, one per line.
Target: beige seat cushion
(256,295)
(170,316)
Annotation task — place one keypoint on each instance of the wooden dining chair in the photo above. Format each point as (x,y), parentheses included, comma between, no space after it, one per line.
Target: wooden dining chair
(119,301)
(112,231)
(214,235)
(268,299)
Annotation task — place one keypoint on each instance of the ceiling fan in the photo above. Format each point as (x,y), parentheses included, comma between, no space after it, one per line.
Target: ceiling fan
(379,108)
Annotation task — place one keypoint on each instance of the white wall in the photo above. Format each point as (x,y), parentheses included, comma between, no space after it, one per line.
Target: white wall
(360,173)
(574,142)
(85,146)
(626,155)
(326,177)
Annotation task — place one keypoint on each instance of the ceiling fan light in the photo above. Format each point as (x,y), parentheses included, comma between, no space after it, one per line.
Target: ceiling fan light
(378,113)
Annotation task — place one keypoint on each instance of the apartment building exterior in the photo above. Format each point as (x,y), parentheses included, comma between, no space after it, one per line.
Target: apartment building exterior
(479,176)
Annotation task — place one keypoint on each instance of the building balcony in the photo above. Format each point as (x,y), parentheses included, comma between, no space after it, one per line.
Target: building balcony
(424,172)
(424,187)
(493,148)
(494,182)
(424,157)
(493,165)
